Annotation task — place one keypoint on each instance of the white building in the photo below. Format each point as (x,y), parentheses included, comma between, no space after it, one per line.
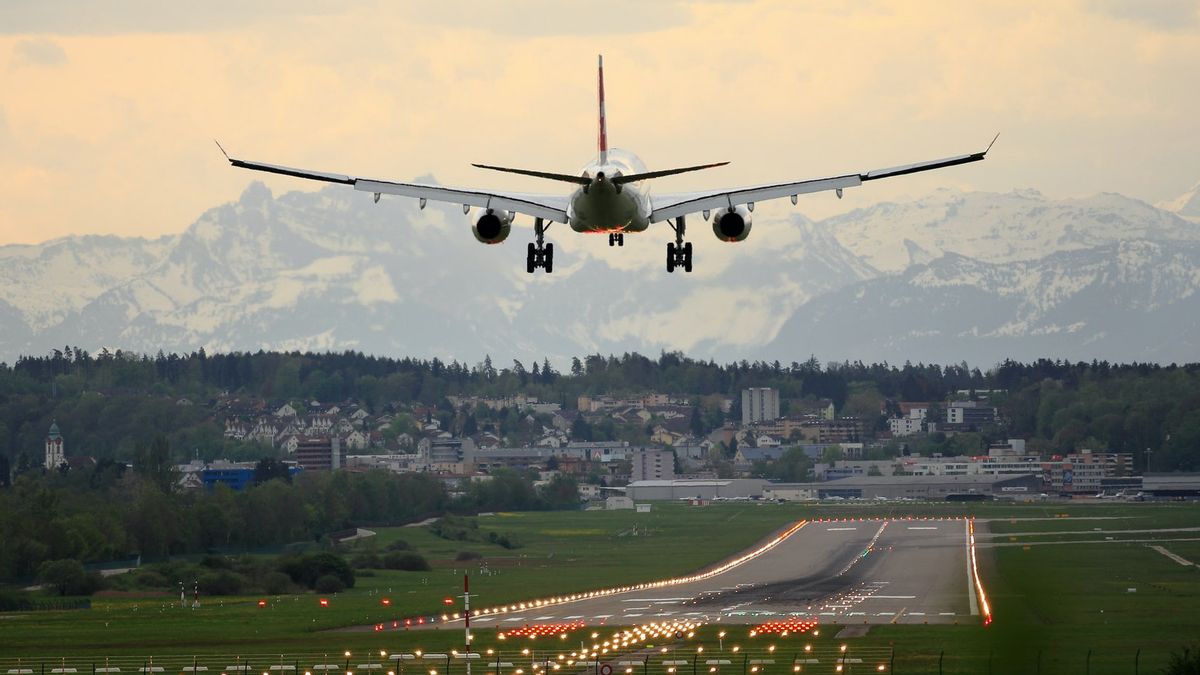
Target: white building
(759,404)
(55,452)
(905,426)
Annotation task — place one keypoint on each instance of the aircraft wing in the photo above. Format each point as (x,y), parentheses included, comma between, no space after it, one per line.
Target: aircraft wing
(552,208)
(672,205)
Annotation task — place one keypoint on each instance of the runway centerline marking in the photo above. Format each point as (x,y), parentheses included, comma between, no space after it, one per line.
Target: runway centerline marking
(922,528)
(889,597)
(840,529)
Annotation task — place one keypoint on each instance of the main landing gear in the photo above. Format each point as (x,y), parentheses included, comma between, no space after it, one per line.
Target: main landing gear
(616,239)
(679,253)
(540,254)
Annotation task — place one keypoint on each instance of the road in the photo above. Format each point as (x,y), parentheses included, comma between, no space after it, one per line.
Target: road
(858,571)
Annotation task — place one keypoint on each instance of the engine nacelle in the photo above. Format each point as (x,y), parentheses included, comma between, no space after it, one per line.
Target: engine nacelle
(732,224)
(492,226)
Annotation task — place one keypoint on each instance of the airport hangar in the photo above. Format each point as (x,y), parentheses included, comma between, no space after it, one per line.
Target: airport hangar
(949,488)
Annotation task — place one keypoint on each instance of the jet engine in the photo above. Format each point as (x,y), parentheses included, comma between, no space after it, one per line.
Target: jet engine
(732,224)
(492,226)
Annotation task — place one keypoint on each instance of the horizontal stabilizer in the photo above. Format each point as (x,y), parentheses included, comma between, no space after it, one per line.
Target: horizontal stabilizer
(636,177)
(565,178)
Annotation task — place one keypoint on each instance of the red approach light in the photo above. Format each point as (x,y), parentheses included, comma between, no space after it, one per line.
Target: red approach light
(324,602)
(262,603)
(447,601)
(385,602)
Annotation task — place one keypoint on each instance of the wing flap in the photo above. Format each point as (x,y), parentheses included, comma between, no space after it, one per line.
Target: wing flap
(670,206)
(548,207)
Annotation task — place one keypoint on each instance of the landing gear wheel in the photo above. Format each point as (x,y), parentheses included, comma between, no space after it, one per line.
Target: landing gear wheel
(539,254)
(679,252)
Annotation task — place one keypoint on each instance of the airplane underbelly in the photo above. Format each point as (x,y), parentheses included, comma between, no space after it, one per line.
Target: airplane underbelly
(607,212)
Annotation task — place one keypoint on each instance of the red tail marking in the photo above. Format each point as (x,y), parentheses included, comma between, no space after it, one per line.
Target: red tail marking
(603,141)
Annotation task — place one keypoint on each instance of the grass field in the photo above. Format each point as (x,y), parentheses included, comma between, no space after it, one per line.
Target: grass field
(1059,601)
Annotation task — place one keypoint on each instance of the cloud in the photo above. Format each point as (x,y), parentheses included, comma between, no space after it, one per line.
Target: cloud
(1171,15)
(86,17)
(38,52)
(540,18)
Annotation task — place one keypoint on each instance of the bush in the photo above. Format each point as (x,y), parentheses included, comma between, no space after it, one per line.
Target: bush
(408,562)
(399,545)
(467,555)
(276,583)
(367,559)
(67,577)
(329,584)
(216,562)
(306,569)
(507,541)
(1185,662)
(149,578)
(222,582)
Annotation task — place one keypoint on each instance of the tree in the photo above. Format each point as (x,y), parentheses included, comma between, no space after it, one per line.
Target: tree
(269,468)
(67,577)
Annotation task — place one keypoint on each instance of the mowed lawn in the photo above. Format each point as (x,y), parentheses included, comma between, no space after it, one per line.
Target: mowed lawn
(1060,600)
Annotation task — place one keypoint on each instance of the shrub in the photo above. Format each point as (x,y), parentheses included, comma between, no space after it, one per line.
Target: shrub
(367,559)
(467,555)
(216,562)
(408,562)
(1185,662)
(399,545)
(329,584)
(276,583)
(221,582)
(67,577)
(306,569)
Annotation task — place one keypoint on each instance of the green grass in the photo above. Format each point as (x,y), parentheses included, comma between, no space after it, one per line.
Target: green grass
(1059,600)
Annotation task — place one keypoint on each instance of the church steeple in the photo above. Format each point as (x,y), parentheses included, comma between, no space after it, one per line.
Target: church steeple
(55,455)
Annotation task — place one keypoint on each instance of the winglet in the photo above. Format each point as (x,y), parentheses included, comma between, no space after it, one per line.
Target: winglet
(989,147)
(222,149)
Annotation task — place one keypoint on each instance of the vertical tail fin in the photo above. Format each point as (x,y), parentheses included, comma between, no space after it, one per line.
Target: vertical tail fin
(603,140)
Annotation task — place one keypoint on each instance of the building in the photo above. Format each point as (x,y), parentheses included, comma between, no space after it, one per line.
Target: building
(1083,472)
(1172,485)
(949,488)
(722,488)
(759,404)
(969,414)
(321,454)
(55,448)
(444,452)
(905,426)
(653,464)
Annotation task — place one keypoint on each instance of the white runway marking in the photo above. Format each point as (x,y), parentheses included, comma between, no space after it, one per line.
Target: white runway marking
(840,529)
(628,614)
(575,616)
(889,597)
(922,528)
(543,618)
(655,599)
(916,613)
(1177,558)
(970,577)
(945,613)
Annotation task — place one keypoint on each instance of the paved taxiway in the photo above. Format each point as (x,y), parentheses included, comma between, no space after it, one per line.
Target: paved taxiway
(868,571)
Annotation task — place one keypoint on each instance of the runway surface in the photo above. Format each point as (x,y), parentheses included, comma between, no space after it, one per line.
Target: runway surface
(868,571)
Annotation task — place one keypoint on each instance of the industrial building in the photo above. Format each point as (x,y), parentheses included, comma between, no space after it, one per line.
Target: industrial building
(909,487)
(653,464)
(321,454)
(704,489)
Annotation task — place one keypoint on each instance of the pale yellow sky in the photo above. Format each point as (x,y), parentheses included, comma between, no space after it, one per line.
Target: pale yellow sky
(108,110)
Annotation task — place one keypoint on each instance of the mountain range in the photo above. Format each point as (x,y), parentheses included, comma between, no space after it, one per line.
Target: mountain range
(949,277)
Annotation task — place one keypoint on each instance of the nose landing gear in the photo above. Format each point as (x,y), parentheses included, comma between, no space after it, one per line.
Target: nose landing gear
(616,239)
(539,254)
(679,252)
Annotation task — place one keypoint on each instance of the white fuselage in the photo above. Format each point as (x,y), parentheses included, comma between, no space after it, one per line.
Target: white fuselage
(606,207)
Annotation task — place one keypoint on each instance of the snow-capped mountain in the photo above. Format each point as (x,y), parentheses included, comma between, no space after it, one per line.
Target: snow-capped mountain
(951,276)
(1186,205)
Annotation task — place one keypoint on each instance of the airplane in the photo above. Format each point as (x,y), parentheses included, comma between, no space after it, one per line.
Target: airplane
(611,196)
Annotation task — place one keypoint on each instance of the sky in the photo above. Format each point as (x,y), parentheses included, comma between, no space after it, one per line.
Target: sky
(108,110)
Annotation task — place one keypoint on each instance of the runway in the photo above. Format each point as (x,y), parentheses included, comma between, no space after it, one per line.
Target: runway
(834,571)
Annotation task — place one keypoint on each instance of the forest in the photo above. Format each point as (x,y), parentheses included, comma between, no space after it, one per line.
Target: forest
(114,402)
